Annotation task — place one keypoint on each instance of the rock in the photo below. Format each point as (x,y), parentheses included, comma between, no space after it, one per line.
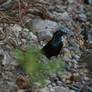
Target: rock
(32,36)
(45,35)
(82,17)
(1,74)
(28,35)
(61,89)
(38,25)
(49,86)
(64,77)
(36,85)
(77,77)
(86,89)
(71,1)
(4,87)
(7,4)
(16,28)
(2,1)
(53,85)
(1,52)
(88,2)
(66,59)
(59,83)
(63,16)
(78,85)
(23,40)
(58,89)
(28,91)
(76,57)
(60,77)
(22,82)
(21,90)
(13,89)
(75,89)
(41,90)
(65,29)
(81,9)
(72,91)
(66,52)
(88,38)
(48,82)
(65,41)
(12,84)
(43,26)
(52,90)
(8,60)
(74,62)
(68,66)
(25,34)
(53,78)
(86,57)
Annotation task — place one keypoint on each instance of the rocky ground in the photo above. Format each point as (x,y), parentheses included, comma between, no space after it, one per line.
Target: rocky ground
(34,22)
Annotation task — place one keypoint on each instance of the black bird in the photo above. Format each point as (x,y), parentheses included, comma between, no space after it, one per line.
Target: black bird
(53,47)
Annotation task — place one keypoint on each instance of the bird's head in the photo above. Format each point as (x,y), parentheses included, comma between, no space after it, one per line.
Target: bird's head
(61,33)
(58,34)
(56,40)
(65,31)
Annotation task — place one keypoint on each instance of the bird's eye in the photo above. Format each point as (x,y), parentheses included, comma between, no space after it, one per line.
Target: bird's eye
(59,32)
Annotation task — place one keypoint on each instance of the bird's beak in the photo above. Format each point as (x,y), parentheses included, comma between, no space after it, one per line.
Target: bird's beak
(64,33)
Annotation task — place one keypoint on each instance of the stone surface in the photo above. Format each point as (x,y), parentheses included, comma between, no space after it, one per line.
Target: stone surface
(7,4)
(73,17)
(39,25)
(71,1)
(88,2)
(41,90)
(88,38)
(63,16)
(22,82)
(8,60)
(83,17)
(61,89)
(2,1)
(21,90)
(86,57)
(86,89)
(45,35)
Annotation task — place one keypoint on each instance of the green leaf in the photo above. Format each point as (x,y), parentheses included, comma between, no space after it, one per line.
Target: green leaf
(39,71)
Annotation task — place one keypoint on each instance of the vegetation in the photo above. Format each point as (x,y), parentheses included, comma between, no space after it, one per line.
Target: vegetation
(33,62)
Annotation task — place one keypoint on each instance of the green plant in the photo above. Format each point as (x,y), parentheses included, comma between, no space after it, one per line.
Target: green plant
(39,71)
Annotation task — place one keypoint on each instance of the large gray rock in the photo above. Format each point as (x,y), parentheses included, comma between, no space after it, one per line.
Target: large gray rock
(2,1)
(63,16)
(86,89)
(88,38)
(7,4)
(38,25)
(71,1)
(41,90)
(87,58)
(44,28)
(88,2)
(7,59)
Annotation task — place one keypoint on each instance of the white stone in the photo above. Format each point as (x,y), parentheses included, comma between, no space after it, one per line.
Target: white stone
(20,90)
(32,36)
(39,25)
(16,28)
(8,60)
